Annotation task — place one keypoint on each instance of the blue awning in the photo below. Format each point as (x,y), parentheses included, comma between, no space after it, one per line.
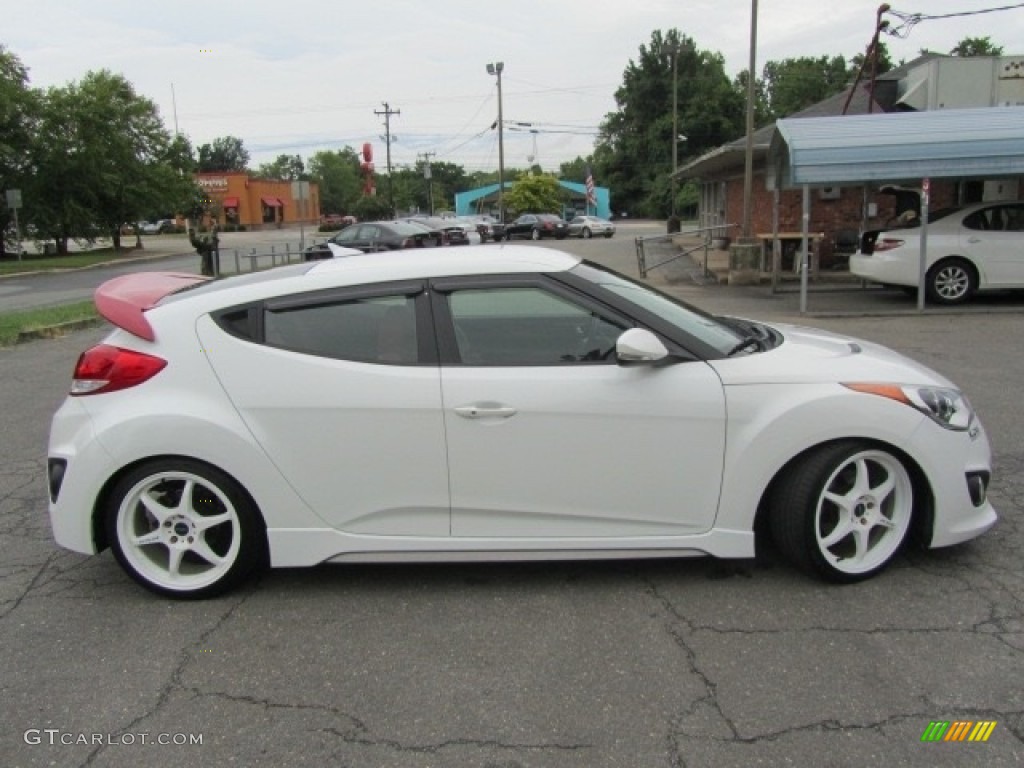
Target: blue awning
(945,143)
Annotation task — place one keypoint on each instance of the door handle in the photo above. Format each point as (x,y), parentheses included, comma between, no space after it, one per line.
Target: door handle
(973,239)
(485,411)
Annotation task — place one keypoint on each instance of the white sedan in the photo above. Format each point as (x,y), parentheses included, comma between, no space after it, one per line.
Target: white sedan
(490,404)
(978,247)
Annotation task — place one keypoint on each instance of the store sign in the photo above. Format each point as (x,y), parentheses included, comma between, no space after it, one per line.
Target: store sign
(215,183)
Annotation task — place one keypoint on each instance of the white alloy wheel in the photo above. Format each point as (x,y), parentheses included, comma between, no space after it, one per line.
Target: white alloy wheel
(535,234)
(182,529)
(845,511)
(586,233)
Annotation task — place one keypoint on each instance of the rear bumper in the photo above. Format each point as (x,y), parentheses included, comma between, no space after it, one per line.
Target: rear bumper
(885,267)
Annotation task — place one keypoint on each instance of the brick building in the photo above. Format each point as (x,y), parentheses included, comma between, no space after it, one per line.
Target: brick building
(237,199)
(931,81)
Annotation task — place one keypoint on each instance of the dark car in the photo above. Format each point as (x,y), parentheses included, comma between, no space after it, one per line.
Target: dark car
(453,230)
(488,227)
(373,236)
(536,226)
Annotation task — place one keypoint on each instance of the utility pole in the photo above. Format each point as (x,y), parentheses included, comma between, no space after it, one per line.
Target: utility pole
(426,175)
(497,68)
(387,113)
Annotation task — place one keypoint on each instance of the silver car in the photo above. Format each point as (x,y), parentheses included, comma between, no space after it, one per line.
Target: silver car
(590,226)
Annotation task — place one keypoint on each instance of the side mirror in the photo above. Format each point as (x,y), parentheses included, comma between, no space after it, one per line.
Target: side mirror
(638,345)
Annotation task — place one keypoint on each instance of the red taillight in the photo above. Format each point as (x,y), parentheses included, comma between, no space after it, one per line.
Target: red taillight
(887,244)
(106,369)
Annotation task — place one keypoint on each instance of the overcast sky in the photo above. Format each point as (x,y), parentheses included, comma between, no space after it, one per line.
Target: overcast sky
(296,76)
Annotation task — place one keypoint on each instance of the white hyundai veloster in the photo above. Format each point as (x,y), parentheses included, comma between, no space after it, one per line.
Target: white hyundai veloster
(490,403)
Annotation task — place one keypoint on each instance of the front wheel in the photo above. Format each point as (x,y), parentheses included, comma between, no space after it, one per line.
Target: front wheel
(951,281)
(184,529)
(843,511)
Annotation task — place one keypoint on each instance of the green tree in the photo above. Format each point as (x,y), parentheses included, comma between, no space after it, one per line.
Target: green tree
(285,168)
(102,158)
(884,62)
(791,85)
(535,194)
(19,111)
(633,154)
(224,154)
(372,208)
(338,176)
(976,46)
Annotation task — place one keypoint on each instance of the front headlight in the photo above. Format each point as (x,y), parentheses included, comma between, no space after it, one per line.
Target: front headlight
(946,407)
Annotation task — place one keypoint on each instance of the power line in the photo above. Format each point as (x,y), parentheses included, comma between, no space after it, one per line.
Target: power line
(910,20)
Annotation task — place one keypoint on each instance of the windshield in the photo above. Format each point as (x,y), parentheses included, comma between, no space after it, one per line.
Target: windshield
(688,319)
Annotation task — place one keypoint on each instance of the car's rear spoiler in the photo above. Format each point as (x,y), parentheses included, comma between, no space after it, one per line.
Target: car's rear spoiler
(123,300)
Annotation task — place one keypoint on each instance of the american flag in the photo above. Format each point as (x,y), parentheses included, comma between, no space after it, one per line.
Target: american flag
(591,197)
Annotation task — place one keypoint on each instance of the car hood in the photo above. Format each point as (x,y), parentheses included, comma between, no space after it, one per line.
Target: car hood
(809,355)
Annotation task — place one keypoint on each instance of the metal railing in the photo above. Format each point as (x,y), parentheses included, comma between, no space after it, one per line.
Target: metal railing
(706,235)
(254,260)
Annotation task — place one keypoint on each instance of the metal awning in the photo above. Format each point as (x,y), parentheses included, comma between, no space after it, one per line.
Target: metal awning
(230,202)
(272,202)
(945,143)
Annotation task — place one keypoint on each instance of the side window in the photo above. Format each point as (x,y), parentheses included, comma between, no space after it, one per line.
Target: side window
(1014,218)
(528,326)
(372,330)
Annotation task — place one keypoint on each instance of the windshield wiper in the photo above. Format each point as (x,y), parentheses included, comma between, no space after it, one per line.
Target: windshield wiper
(746,343)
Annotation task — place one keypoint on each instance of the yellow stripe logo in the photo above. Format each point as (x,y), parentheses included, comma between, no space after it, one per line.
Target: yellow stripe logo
(958,730)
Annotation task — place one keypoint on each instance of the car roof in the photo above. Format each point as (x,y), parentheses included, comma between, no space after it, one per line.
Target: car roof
(414,263)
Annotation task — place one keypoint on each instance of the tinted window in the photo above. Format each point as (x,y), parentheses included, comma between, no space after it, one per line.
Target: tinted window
(998,218)
(528,326)
(373,330)
(688,319)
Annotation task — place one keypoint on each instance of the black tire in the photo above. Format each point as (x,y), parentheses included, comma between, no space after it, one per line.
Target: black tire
(200,548)
(535,234)
(951,281)
(842,511)
(587,234)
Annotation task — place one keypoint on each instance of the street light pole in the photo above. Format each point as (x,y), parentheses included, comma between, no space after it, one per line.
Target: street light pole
(675,124)
(748,164)
(496,69)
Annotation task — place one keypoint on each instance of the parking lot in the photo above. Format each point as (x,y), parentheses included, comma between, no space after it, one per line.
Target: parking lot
(636,663)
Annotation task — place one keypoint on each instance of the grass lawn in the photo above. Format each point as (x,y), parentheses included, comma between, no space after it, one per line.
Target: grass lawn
(14,323)
(35,263)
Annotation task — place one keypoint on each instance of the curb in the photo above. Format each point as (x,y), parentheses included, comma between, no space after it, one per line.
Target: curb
(58,330)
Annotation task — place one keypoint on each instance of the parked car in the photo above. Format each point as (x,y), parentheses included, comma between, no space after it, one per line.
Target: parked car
(973,248)
(489,228)
(371,236)
(474,403)
(588,226)
(537,226)
(453,230)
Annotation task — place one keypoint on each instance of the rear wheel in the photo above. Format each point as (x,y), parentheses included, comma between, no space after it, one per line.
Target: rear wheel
(843,511)
(183,529)
(951,281)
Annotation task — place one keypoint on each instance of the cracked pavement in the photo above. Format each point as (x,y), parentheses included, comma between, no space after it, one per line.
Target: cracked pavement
(660,663)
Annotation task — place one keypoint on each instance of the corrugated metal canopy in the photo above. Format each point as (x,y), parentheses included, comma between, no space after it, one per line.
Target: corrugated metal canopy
(980,143)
